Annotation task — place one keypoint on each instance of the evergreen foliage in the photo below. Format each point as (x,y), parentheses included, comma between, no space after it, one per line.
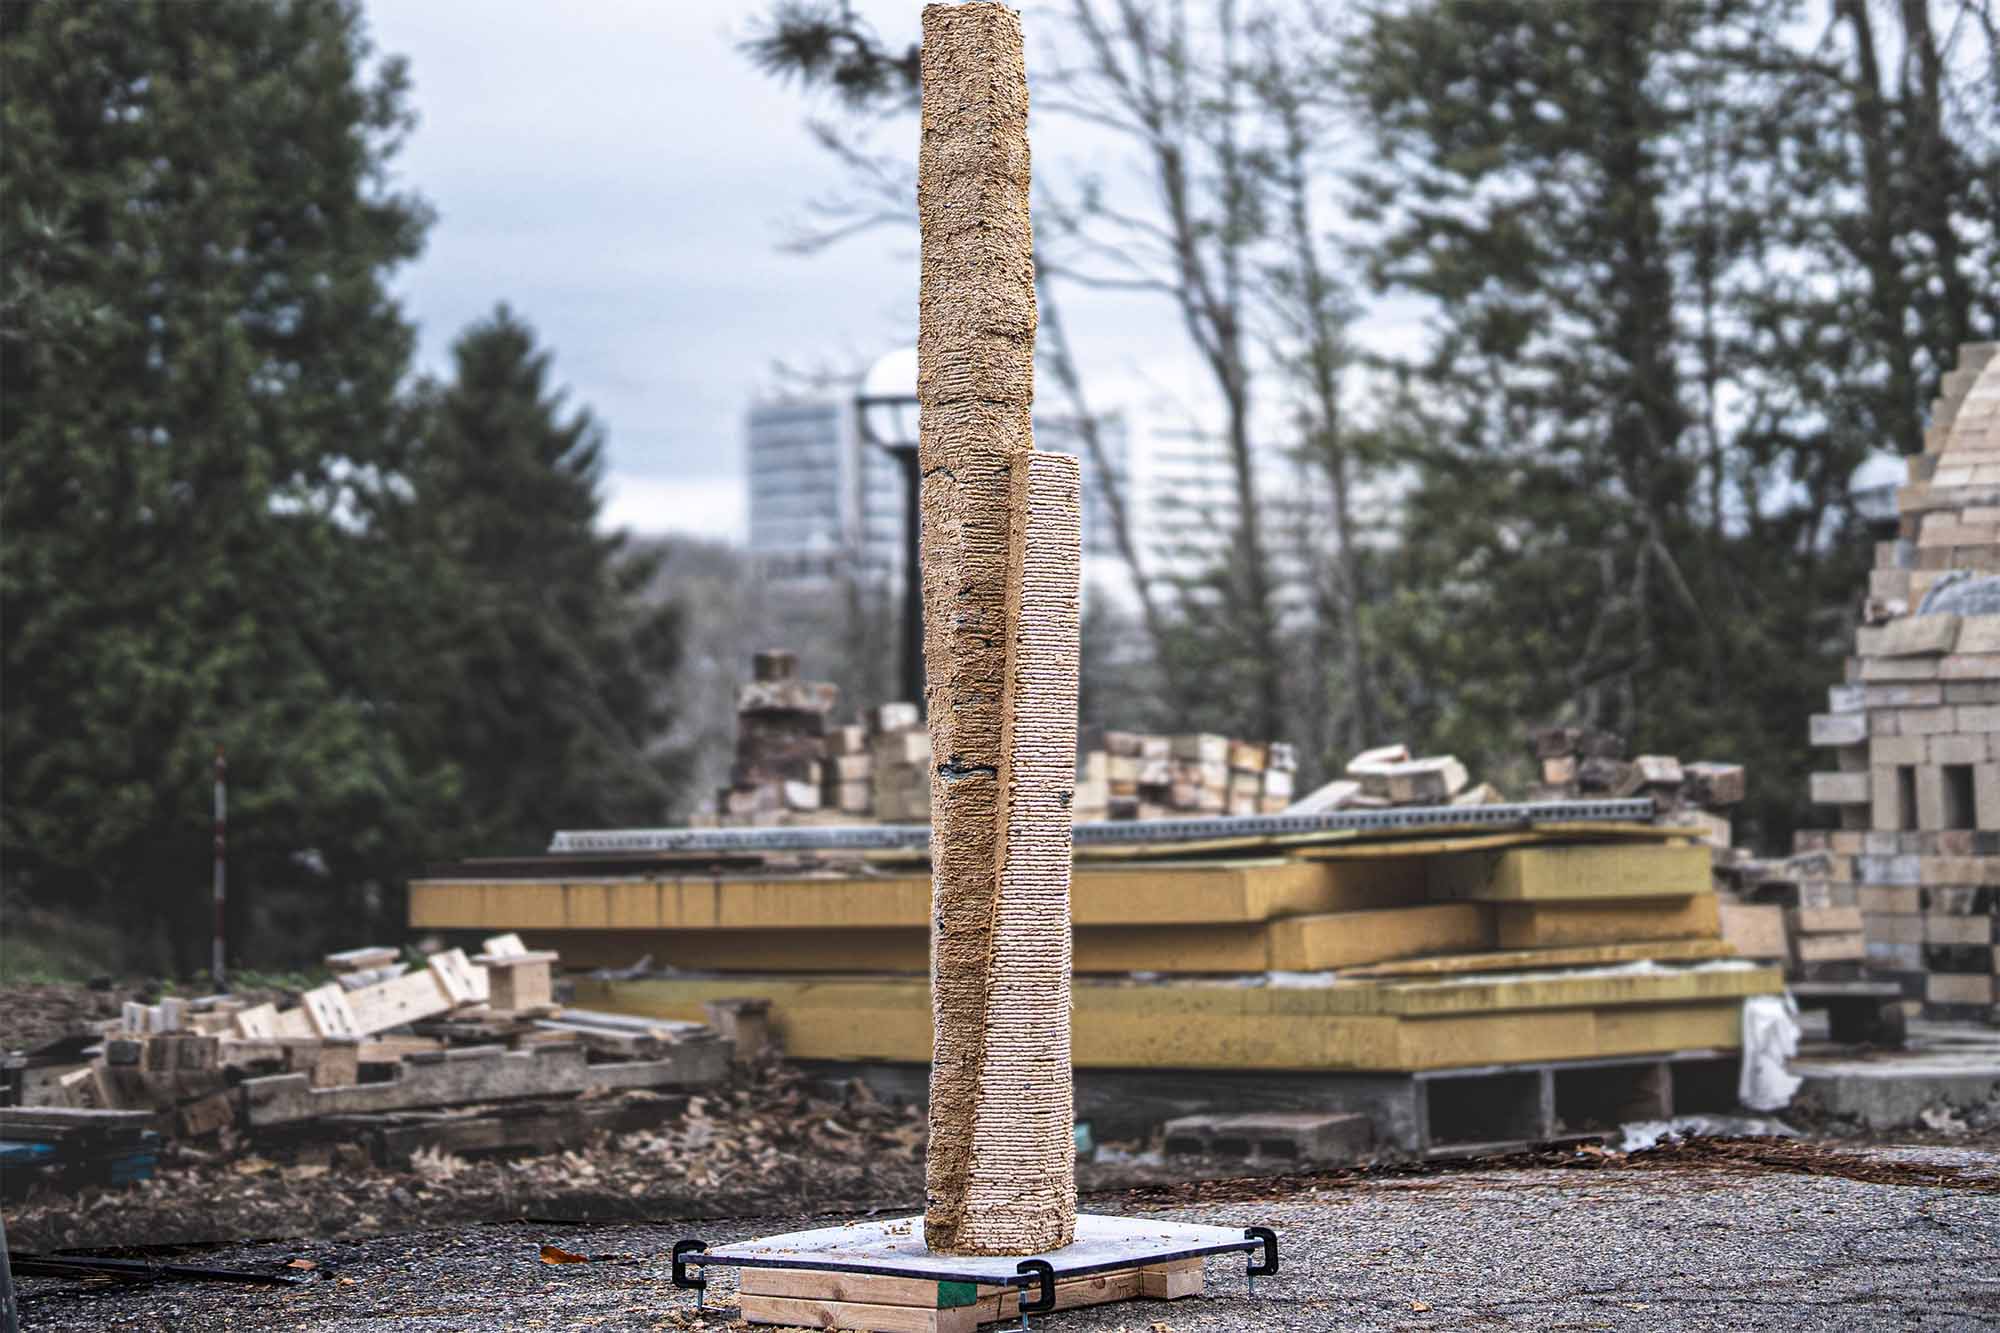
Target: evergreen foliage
(1653,372)
(201,361)
(551,684)
(222,520)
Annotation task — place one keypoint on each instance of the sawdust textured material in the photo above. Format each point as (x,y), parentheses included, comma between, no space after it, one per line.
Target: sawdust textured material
(1020,1193)
(999,1173)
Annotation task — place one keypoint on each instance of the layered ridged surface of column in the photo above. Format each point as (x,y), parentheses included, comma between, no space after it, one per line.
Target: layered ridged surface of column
(1000,570)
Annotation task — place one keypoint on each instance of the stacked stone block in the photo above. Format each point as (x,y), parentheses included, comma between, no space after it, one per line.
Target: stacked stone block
(1915,729)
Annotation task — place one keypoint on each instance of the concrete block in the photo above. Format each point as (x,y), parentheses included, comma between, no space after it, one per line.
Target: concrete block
(1967,870)
(1877,669)
(1885,802)
(1893,956)
(1931,812)
(1942,929)
(1876,899)
(1979,634)
(1301,1136)
(1967,988)
(1960,748)
(1826,920)
(1893,750)
(1898,869)
(1839,788)
(1968,667)
(1889,928)
(1977,718)
(1902,696)
(1830,948)
(1915,635)
(1930,721)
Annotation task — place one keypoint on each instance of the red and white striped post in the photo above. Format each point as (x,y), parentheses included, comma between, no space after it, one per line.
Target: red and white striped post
(215,966)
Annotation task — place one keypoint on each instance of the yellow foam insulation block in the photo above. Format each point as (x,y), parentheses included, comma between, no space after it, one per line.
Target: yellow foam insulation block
(1346,939)
(1154,893)
(1530,960)
(1572,874)
(1560,990)
(1560,925)
(1214,1026)
(1300,944)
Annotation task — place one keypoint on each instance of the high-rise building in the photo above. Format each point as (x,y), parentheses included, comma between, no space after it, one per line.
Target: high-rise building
(800,458)
(825,504)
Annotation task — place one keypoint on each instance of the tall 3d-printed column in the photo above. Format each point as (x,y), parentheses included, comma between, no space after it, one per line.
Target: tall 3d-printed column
(1001,557)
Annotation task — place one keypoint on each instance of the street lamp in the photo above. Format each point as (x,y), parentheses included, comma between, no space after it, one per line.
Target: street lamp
(886,410)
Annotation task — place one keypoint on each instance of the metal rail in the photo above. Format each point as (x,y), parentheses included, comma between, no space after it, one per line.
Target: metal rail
(1110,833)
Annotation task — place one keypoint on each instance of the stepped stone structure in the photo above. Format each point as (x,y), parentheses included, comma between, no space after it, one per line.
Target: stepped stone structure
(1916,726)
(1002,559)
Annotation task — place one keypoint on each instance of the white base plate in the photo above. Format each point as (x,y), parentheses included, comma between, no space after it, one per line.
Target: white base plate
(896,1249)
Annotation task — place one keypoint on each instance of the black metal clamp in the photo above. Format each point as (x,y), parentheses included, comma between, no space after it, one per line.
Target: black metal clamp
(1045,1299)
(1261,1265)
(682,1279)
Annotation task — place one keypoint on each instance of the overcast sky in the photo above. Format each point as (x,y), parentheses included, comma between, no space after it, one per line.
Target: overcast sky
(619,174)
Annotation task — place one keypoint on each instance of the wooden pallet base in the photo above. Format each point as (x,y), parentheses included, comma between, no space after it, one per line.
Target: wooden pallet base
(812,1298)
(880,1277)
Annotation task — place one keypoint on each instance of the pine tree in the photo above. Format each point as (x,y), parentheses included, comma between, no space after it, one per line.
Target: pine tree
(550,690)
(1654,373)
(200,358)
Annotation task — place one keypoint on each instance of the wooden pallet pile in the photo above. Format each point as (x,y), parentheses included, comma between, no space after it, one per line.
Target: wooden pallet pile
(1383,953)
(1791,911)
(1914,730)
(1587,762)
(71,1148)
(1133,775)
(1390,775)
(795,765)
(384,1038)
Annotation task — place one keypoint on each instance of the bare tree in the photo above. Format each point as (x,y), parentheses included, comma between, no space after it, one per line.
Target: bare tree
(1197,235)
(1181,98)
(1310,309)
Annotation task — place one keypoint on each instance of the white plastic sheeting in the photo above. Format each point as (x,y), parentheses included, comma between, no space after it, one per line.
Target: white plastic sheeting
(1770,1040)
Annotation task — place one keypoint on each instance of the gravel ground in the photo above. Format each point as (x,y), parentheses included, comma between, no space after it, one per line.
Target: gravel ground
(1696,1246)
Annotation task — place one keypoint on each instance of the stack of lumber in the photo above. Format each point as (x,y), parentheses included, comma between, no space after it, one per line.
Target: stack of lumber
(1135,775)
(1915,728)
(1387,952)
(393,1038)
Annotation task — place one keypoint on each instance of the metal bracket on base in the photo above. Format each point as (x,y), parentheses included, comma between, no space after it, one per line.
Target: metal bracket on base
(1260,1265)
(1045,1300)
(683,1248)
